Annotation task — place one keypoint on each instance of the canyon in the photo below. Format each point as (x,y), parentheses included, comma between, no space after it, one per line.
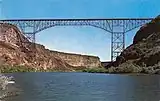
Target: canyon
(17,50)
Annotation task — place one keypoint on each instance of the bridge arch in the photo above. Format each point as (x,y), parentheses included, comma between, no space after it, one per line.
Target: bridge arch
(99,27)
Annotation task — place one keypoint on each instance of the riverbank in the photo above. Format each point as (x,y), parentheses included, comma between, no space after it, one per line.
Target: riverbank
(95,70)
(128,69)
(12,69)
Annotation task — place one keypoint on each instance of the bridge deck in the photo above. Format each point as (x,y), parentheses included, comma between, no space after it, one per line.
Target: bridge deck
(81,19)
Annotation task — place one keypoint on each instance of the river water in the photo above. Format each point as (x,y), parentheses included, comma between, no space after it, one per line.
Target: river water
(84,87)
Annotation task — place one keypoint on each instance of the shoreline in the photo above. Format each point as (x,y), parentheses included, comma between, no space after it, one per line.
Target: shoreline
(5,69)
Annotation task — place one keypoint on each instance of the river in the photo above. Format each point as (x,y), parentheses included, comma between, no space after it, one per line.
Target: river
(84,87)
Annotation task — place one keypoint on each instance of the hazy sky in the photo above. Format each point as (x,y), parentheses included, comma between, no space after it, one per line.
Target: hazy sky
(84,40)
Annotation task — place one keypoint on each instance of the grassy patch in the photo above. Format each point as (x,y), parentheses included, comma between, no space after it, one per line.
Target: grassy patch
(11,69)
(95,70)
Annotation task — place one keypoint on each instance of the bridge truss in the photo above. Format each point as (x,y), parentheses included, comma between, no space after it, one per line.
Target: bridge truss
(117,28)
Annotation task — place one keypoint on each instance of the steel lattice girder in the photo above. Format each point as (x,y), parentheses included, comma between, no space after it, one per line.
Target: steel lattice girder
(109,25)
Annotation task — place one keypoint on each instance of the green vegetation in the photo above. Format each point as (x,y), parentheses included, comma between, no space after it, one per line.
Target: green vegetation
(123,69)
(11,69)
(95,70)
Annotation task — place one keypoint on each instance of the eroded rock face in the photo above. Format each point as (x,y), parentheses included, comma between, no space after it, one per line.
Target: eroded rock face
(146,30)
(145,50)
(79,60)
(14,51)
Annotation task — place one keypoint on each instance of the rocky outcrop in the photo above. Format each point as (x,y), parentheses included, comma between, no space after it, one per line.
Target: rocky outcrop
(147,30)
(145,50)
(106,64)
(79,60)
(15,49)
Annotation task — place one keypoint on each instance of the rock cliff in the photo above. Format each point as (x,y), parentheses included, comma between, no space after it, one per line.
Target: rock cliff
(15,49)
(144,54)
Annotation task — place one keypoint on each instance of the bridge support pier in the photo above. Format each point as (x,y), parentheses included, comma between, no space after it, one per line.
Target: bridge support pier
(117,38)
(117,44)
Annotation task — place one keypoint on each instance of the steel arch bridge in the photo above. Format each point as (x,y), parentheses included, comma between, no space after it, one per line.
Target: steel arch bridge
(117,27)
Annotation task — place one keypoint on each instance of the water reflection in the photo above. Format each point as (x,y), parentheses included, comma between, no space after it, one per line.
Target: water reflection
(86,87)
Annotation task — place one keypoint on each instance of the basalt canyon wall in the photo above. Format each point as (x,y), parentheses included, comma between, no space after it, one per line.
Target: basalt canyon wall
(15,49)
(79,60)
(143,56)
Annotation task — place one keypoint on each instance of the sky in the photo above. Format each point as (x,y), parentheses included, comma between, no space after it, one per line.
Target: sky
(82,40)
